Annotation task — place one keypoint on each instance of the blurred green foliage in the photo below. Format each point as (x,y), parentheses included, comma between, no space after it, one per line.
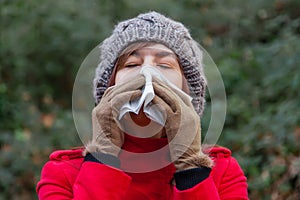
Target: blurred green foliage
(255,44)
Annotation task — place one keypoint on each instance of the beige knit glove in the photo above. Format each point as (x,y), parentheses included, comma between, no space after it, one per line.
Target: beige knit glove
(182,128)
(107,136)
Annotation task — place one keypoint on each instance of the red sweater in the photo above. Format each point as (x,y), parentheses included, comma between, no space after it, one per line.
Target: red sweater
(67,177)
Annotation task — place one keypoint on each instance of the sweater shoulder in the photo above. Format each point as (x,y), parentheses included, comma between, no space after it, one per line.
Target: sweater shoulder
(61,169)
(65,155)
(66,160)
(63,163)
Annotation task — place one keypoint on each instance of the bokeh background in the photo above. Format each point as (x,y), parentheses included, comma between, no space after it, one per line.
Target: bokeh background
(255,44)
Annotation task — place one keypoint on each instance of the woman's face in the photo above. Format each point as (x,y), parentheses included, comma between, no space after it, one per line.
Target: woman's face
(156,55)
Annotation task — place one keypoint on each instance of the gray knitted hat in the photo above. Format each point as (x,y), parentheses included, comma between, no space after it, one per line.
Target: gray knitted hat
(153,27)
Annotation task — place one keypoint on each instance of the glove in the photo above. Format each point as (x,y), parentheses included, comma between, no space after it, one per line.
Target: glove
(108,138)
(182,128)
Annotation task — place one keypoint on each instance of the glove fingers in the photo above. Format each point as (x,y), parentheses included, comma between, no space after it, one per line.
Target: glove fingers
(184,97)
(134,84)
(122,98)
(105,109)
(168,96)
(162,104)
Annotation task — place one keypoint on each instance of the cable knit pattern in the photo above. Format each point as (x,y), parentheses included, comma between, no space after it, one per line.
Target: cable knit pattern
(153,27)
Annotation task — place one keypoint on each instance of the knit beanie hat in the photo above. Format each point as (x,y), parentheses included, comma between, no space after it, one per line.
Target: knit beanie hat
(153,27)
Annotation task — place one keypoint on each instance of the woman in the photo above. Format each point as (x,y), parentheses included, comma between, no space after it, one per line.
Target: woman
(120,164)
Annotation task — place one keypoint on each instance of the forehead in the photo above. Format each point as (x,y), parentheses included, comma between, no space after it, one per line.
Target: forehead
(158,47)
(153,49)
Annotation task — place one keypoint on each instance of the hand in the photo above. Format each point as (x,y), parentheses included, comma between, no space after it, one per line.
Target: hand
(182,128)
(107,136)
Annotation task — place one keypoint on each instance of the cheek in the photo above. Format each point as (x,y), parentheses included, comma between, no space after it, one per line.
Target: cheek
(174,77)
(126,74)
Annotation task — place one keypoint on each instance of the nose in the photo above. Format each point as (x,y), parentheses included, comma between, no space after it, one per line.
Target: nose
(148,60)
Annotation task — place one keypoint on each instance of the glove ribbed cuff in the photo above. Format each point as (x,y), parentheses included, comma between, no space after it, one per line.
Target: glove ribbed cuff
(189,178)
(103,158)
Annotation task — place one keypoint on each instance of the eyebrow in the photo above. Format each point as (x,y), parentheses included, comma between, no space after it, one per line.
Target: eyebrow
(160,54)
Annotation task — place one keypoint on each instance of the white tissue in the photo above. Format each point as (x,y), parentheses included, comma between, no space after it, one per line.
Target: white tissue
(151,111)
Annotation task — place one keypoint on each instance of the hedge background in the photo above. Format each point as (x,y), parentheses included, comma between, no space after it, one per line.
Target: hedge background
(255,44)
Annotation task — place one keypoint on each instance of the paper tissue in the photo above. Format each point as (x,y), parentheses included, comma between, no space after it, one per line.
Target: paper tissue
(152,111)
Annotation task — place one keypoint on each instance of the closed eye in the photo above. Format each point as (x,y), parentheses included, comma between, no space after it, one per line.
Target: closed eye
(131,65)
(164,66)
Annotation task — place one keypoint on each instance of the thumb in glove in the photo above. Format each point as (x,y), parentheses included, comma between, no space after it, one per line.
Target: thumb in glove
(108,138)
